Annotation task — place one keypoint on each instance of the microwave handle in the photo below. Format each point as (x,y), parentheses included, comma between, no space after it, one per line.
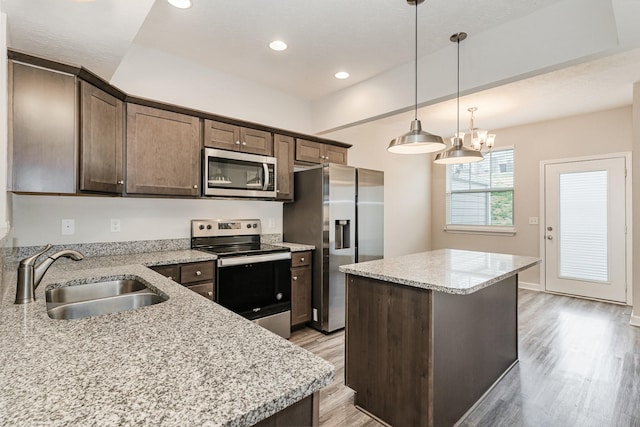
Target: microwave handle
(265,168)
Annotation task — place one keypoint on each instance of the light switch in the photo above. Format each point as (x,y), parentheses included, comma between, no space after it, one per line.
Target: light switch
(533,220)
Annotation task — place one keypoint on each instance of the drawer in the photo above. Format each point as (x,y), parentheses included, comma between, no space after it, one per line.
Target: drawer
(196,272)
(170,271)
(299,259)
(204,289)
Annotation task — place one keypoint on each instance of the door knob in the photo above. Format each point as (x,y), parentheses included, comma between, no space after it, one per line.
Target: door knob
(549,228)
(550,237)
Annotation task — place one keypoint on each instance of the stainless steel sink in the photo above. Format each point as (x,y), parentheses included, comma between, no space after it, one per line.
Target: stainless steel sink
(97,298)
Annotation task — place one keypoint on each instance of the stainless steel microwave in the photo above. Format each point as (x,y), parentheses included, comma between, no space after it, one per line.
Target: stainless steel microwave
(235,174)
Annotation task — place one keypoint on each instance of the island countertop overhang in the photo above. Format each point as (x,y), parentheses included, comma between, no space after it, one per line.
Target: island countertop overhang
(452,271)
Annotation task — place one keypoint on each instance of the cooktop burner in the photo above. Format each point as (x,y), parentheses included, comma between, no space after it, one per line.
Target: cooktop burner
(230,237)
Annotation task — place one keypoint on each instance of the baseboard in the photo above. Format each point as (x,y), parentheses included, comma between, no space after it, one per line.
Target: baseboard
(635,319)
(530,286)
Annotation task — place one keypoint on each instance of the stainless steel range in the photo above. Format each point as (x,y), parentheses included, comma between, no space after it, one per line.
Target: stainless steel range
(253,279)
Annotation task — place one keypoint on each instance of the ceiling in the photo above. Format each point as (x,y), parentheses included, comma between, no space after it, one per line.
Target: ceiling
(367,38)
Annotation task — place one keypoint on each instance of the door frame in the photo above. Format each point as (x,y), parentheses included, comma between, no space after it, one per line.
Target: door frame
(628,216)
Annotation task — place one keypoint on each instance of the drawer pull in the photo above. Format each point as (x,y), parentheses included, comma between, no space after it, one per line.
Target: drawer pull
(198,273)
(210,293)
(295,277)
(302,259)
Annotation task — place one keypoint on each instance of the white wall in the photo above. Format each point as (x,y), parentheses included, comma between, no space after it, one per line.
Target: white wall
(152,74)
(37,219)
(607,131)
(635,319)
(407,196)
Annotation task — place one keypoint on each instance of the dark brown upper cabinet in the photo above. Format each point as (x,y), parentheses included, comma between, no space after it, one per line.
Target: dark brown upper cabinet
(317,152)
(283,148)
(237,138)
(43,131)
(163,152)
(102,141)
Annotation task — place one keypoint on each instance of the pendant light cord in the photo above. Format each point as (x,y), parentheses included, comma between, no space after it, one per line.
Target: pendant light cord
(458,96)
(415,111)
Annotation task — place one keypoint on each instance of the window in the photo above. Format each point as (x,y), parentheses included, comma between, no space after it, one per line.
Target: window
(480,195)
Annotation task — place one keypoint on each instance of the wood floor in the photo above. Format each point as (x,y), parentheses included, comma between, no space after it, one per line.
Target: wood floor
(579,366)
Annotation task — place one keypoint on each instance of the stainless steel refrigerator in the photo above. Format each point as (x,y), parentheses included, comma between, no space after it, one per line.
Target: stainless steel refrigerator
(340,210)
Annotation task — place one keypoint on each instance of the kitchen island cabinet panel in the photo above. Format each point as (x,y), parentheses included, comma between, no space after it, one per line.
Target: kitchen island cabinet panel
(102,141)
(387,351)
(427,334)
(163,152)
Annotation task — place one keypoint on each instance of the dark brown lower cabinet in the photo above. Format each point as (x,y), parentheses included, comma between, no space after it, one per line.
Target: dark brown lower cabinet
(196,276)
(416,357)
(300,287)
(302,413)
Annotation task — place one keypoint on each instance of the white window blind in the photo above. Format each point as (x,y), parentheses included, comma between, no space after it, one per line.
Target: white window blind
(583,225)
(481,193)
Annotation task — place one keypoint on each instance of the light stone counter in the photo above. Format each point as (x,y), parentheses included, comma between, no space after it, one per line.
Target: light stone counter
(185,361)
(296,247)
(451,271)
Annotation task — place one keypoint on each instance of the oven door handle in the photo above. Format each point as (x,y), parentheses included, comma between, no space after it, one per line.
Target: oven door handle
(265,169)
(252,259)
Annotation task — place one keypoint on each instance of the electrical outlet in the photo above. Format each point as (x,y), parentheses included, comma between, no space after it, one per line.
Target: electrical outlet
(115,225)
(533,220)
(68,227)
(272,223)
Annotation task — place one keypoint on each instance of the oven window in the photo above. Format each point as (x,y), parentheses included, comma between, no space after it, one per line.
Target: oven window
(253,290)
(238,174)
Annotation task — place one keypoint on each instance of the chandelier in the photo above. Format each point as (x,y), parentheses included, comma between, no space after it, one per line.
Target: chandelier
(480,138)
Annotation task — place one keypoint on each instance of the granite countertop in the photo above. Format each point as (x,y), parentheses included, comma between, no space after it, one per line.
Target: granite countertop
(185,361)
(444,270)
(296,247)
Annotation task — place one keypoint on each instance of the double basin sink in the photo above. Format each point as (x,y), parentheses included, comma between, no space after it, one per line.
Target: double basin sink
(98,298)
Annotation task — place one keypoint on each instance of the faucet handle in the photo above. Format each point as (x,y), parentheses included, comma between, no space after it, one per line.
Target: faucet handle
(32,259)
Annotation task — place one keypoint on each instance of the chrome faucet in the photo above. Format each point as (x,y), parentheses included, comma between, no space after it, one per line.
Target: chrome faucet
(30,274)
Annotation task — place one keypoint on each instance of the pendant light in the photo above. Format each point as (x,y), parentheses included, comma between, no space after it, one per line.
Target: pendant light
(458,153)
(416,140)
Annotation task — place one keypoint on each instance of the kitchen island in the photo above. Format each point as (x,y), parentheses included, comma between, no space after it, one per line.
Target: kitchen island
(184,361)
(428,334)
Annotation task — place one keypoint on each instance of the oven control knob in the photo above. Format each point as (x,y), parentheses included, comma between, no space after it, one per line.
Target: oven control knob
(209,227)
(201,227)
(279,296)
(248,225)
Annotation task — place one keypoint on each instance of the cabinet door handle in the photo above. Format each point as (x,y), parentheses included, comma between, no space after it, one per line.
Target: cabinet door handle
(295,277)
(277,191)
(198,273)
(210,293)
(244,143)
(195,186)
(170,278)
(237,142)
(121,182)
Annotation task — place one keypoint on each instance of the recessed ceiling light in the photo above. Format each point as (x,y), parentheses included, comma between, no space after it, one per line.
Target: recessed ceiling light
(341,75)
(278,45)
(180,4)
